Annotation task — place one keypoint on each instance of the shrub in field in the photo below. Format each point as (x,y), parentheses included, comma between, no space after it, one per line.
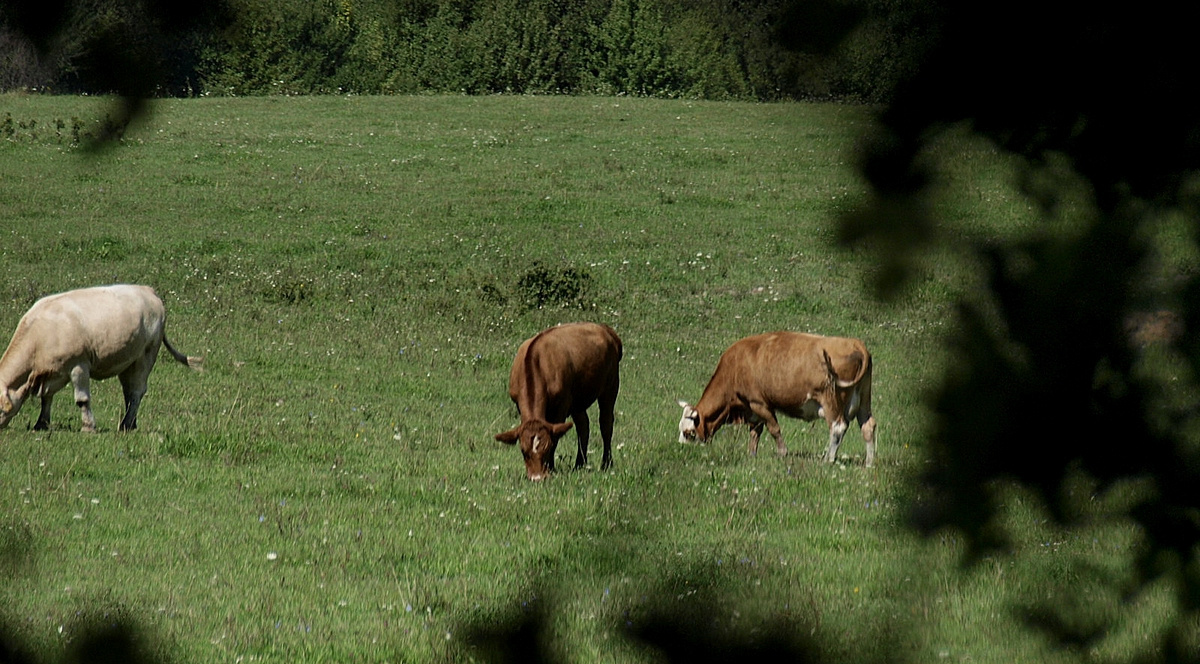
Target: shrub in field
(541,287)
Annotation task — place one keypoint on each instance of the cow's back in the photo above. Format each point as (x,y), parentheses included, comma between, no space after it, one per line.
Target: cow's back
(770,362)
(569,364)
(784,368)
(109,325)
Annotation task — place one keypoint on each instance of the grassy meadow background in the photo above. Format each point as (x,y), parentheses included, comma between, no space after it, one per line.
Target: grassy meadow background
(358,273)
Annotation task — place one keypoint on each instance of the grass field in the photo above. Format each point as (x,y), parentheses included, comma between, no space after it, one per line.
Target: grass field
(358,273)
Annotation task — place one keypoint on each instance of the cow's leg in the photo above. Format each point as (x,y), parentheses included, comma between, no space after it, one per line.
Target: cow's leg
(868,432)
(837,429)
(768,417)
(81,381)
(582,431)
(133,400)
(134,381)
(46,389)
(43,420)
(607,408)
(866,421)
(755,431)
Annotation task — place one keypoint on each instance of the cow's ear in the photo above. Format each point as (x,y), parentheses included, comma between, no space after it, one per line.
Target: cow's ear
(511,436)
(683,403)
(557,430)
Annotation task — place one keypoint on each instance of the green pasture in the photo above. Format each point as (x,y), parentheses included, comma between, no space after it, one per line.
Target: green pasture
(358,273)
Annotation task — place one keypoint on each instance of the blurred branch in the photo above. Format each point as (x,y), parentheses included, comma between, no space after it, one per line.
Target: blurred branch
(1044,382)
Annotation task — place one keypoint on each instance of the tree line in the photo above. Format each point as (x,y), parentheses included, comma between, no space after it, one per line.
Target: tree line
(703,49)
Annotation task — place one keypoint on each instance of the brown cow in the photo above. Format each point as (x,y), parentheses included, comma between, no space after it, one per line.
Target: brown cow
(805,376)
(81,335)
(560,372)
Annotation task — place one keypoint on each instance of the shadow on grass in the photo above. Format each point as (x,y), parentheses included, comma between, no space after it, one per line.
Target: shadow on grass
(693,627)
(98,640)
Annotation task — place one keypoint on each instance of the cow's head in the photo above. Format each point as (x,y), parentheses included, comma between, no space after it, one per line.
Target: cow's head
(7,408)
(538,440)
(689,424)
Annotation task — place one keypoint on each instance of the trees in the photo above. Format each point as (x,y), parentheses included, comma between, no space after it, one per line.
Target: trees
(713,49)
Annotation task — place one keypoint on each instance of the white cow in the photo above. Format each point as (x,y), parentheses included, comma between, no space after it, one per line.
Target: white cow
(83,334)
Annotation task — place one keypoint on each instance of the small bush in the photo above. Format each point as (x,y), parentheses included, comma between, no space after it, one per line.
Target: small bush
(542,287)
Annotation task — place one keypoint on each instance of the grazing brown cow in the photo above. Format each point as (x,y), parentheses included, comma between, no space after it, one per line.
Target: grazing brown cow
(560,372)
(80,335)
(805,376)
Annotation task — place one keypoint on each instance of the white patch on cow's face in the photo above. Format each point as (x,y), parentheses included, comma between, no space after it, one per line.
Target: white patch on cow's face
(537,443)
(688,423)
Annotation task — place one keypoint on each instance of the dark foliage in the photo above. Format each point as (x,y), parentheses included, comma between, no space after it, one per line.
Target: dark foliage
(541,286)
(714,49)
(1045,386)
(133,49)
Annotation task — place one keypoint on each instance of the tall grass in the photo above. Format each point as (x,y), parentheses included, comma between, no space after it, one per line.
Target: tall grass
(359,272)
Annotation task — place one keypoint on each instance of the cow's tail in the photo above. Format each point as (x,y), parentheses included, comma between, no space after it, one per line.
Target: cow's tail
(864,368)
(196,363)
